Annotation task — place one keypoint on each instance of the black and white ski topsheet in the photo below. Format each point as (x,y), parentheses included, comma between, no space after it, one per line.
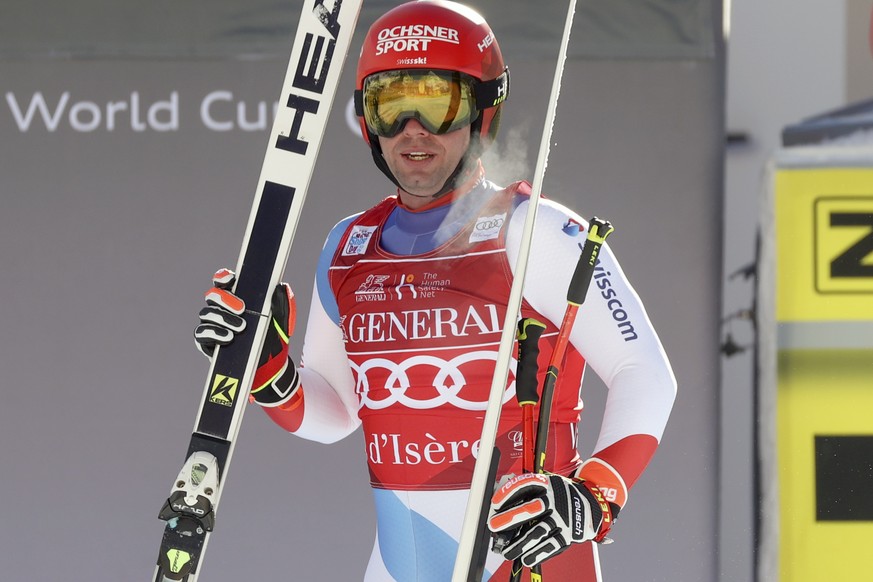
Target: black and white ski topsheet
(323,37)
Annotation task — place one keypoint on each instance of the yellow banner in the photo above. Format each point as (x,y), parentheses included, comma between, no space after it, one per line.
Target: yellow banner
(824,317)
(821,393)
(824,230)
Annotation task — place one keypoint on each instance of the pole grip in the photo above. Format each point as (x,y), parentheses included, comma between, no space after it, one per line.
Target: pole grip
(598,230)
(529,332)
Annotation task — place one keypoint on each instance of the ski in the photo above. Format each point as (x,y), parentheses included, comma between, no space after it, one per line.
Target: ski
(320,47)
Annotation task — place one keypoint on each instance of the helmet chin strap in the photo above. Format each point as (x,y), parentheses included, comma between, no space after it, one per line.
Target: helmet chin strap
(458,175)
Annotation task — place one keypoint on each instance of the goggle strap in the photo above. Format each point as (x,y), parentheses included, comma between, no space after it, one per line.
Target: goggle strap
(358,98)
(492,93)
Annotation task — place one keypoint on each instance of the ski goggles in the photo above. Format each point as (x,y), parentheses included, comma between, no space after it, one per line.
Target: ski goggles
(442,101)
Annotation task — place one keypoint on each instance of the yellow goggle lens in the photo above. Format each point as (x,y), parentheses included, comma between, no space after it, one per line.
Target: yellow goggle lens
(442,101)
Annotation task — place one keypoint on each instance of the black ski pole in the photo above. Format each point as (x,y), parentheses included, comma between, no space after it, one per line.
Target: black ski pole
(598,230)
(529,332)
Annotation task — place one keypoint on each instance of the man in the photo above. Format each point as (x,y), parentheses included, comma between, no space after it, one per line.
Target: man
(406,319)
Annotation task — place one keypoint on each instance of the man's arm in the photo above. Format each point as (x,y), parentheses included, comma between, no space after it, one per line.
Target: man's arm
(316,401)
(614,334)
(327,409)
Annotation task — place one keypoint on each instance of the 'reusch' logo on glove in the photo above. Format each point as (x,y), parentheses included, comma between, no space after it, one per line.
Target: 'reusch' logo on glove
(579,515)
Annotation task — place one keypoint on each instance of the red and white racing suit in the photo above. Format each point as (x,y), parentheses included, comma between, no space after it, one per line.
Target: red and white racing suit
(405,345)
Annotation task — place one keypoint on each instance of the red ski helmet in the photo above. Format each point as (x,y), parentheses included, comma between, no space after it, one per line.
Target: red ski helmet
(443,37)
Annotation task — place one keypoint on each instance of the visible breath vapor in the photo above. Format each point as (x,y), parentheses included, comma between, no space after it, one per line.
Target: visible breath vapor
(507,162)
(504,163)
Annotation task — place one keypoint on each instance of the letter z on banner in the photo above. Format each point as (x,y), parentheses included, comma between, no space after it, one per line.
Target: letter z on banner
(320,47)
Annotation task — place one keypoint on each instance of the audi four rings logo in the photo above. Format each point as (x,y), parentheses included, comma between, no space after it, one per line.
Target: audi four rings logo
(487,227)
(445,377)
(489,223)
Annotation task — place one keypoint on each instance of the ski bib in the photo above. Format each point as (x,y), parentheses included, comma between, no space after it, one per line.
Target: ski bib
(422,334)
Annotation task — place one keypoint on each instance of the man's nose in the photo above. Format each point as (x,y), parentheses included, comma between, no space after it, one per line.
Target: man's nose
(413,126)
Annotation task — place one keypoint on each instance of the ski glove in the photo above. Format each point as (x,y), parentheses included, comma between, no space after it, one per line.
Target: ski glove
(537,516)
(276,379)
(221,319)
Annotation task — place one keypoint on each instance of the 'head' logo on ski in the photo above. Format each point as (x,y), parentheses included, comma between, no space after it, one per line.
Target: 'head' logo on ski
(313,66)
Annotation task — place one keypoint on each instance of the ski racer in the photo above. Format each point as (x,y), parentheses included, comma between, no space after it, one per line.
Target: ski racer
(406,316)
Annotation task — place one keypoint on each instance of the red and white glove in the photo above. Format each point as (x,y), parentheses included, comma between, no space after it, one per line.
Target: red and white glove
(537,516)
(276,379)
(221,319)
